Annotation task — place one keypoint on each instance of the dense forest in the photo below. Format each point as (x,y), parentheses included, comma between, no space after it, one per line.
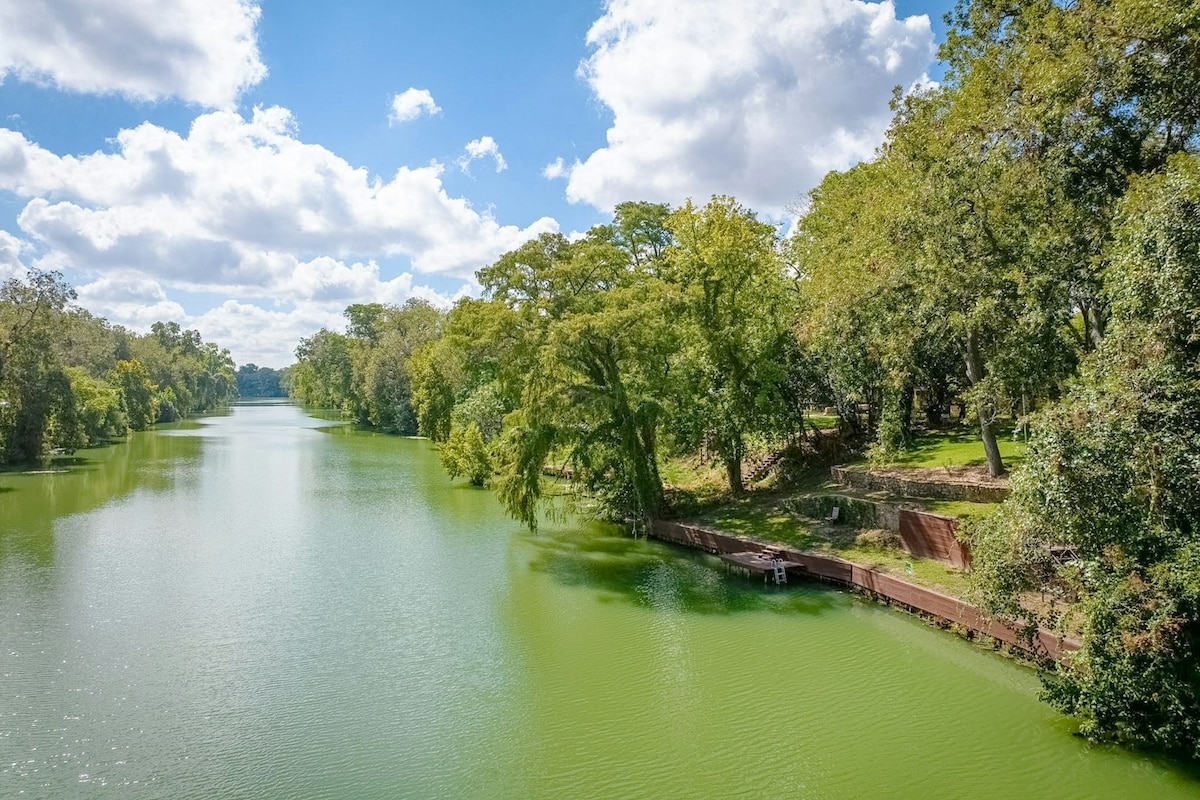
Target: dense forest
(256,381)
(69,379)
(1025,245)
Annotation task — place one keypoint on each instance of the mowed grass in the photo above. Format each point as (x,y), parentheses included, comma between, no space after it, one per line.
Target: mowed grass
(962,509)
(764,519)
(921,571)
(824,422)
(959,448)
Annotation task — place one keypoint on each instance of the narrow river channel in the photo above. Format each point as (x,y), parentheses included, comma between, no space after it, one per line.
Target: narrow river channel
(266,604)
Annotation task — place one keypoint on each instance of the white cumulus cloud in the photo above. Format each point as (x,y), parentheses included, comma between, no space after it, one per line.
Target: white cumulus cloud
(243,208)
(556,169)
(238,202)
(757,98)
(200,51)
(11,263)
(268,336)
(263,336)
(412,103)
(130,299)
(481,148)
(310,296)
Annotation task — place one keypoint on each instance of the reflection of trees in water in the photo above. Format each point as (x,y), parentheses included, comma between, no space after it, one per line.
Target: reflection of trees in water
(32,501)
(661,577)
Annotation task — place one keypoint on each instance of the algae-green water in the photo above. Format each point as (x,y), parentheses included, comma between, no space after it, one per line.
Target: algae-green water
(268,605)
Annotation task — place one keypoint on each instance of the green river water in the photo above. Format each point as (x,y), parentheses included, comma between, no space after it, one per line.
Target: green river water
(268,605)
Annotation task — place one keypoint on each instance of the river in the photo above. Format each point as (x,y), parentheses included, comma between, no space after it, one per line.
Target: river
(267,604)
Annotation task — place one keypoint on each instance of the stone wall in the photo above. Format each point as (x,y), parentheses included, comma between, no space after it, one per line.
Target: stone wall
(854,511)
(949,488)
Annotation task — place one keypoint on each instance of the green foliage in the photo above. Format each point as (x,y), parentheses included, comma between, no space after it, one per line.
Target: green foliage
(585,325)
(465,453)
(484,409)
(519,456)
(322,373)
(736,324)
(190,375)
(36,404)
(381,386)
(69,379)
(136,393)
(1113,472)
(98,408)
(256,381)
(366,374)
(481,343)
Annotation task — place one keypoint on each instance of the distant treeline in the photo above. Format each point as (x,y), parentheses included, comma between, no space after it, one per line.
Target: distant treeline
(1025,244)
(256,381)
(69,379)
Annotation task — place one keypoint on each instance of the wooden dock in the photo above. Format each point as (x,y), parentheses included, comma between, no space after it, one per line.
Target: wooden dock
(768,562)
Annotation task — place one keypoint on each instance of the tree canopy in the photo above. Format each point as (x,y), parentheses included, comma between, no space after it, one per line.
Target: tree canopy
(69,379)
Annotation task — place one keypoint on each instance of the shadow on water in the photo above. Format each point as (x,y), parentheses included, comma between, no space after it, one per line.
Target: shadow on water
(622,568)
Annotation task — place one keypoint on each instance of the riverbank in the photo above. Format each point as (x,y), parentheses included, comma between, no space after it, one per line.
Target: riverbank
(945,609)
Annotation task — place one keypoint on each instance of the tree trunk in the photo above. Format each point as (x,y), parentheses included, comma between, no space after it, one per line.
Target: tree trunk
(733,468)
(987,431)
(1099,325)
(1095,323)
(653,500)
(908,397)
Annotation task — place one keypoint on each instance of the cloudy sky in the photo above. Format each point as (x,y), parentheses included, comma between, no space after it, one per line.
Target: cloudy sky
(250,167)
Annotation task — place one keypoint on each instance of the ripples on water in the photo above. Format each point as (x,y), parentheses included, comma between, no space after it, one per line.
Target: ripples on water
(262,607)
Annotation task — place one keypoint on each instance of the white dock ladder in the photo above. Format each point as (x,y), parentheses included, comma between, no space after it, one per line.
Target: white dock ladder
(780,571)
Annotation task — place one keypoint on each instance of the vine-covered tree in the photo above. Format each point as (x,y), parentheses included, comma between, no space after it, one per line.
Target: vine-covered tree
(594,321)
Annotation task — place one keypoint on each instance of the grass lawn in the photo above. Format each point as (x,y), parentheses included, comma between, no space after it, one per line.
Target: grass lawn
(759,518)
(825,422)
(763,517)
(963,509)
(706,483)
(960,448)
(921,571)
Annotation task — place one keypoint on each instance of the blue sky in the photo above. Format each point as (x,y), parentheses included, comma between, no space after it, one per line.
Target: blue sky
(250,168)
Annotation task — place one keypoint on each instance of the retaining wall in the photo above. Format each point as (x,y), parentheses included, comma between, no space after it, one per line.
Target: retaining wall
(932,536)
(924,534)
(854,511)
(947,489)
(830,568)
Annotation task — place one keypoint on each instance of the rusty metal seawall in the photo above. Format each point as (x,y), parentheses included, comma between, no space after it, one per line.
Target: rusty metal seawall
(950,609)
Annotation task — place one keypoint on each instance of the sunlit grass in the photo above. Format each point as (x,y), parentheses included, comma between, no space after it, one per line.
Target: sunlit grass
(962,509)
(959,448)
(926,572)
(765,518)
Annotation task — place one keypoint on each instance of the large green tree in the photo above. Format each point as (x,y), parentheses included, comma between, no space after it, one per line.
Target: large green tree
(381,349)
(37,407)
(1097,91)
(737,324)
(1114,473)
(593,321)
(323,371)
